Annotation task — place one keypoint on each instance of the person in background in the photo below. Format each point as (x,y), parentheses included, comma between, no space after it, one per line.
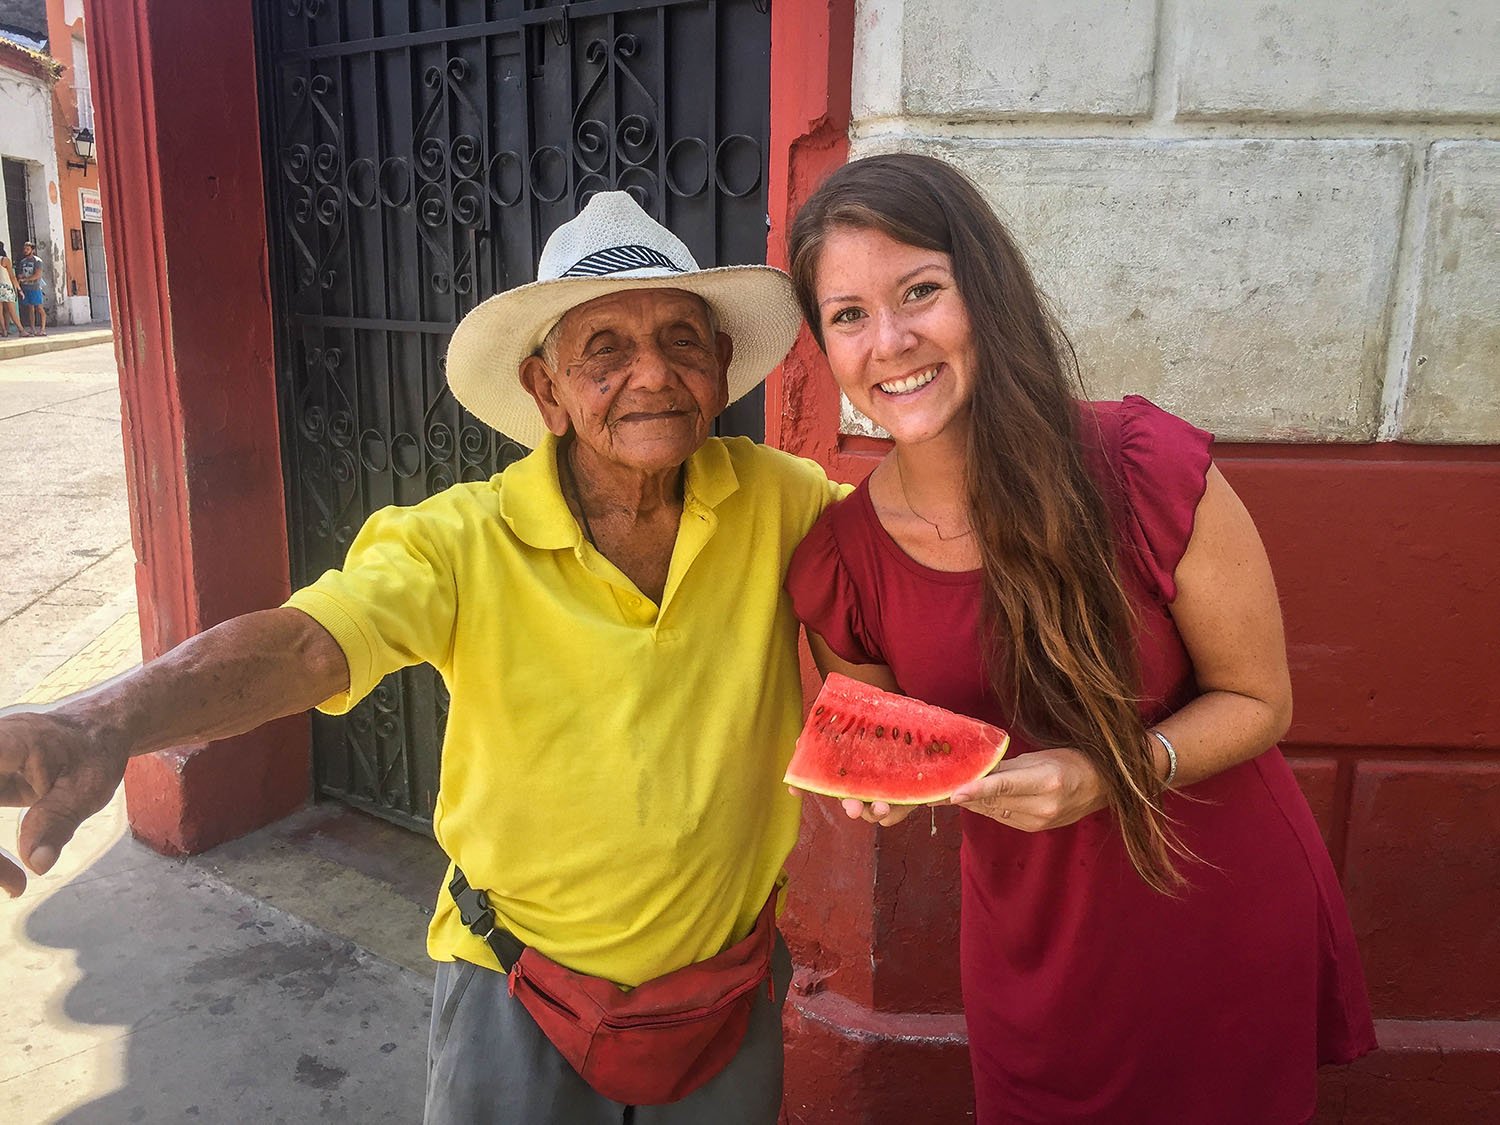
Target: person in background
(1152,929)
(31,276)
(9,291)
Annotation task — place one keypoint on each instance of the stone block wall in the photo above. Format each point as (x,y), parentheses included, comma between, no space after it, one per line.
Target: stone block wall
(1279,220)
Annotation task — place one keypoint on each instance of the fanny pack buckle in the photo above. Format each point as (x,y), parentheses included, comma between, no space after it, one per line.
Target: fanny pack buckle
(473,906)
(475,911)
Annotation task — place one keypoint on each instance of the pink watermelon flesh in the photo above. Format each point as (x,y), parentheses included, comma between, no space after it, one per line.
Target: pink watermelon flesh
(873,745)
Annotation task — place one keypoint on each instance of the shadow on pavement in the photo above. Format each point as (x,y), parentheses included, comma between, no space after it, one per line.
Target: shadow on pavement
(194,1001)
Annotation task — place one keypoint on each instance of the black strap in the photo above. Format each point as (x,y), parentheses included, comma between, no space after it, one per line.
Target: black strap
(477,913)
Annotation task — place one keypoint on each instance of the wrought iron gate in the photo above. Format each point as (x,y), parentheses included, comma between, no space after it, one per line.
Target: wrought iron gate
(418,153)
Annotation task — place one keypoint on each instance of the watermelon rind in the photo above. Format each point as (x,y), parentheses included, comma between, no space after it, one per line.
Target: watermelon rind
(905,798)
(847,709)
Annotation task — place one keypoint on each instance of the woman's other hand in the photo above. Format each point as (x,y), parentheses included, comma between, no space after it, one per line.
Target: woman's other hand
(1036,791)
(877,812)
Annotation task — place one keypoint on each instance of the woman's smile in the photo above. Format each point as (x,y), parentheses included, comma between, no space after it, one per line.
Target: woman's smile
(897,388)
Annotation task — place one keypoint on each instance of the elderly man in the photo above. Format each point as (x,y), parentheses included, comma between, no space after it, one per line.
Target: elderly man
(608,616)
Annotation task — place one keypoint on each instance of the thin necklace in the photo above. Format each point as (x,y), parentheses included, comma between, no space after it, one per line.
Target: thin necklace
(572,486)
(901,476)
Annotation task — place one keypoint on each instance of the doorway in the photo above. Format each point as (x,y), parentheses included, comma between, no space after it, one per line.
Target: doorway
(93,258)
(17,206)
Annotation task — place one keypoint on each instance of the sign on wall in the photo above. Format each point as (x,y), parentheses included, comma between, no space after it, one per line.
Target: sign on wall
(88,203)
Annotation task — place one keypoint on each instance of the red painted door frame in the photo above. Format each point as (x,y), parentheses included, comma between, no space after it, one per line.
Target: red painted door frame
(180,164)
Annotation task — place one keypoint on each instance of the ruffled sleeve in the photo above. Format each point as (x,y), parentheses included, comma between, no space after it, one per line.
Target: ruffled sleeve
(824,596)
(1163,466)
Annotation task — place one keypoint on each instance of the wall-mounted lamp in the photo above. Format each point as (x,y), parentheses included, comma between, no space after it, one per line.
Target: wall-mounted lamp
(83,145)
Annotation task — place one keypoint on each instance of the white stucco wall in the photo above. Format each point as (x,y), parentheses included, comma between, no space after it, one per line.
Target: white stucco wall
(26,136)
(1280,220)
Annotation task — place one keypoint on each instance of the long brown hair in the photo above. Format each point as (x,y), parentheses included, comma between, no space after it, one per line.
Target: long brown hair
(1059,629)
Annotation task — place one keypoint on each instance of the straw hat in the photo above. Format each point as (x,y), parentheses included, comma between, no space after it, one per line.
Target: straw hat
(612,245)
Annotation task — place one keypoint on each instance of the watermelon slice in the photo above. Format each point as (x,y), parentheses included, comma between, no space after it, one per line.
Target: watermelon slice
(873,745)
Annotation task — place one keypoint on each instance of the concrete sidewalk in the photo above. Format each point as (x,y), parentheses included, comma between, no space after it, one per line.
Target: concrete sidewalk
(56,339)
(104,645)
(68,563)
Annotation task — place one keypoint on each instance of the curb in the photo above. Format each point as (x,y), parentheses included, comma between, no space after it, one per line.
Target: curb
(100,647)
(37,345)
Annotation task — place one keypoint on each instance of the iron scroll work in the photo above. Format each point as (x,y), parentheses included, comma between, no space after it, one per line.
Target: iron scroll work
(418,153)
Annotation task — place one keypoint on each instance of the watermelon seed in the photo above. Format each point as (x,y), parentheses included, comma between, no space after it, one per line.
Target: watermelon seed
(908,738)
(880,731)
(946,748)
(843,772)
(819,709)
(895,732)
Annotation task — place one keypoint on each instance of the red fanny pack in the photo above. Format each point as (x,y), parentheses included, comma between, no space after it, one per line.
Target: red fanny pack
(652,1045)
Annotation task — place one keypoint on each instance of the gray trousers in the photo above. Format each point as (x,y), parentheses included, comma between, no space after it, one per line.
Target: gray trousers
(488,1062)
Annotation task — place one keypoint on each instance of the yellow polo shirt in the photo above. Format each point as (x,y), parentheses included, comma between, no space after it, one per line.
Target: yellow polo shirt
(612,768)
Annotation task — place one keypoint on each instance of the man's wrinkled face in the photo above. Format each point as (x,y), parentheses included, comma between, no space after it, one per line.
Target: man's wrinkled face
(639,377)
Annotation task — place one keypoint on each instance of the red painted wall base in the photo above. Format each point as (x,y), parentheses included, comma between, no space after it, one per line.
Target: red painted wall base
(1444,1071)
(185,801)
(861,1068)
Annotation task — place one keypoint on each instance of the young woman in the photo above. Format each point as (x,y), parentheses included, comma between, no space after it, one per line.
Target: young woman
(1152,929)
(8,287)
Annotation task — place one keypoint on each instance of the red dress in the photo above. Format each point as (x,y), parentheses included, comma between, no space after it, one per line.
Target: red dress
(1088,996)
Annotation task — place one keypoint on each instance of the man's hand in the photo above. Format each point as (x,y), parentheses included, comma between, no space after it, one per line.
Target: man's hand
(62,774)
(66,761)
(1036,791)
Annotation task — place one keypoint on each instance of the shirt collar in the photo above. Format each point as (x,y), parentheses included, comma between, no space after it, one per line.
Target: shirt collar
(532,503)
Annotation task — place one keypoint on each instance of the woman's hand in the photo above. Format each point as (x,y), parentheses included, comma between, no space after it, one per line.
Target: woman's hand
(1036,791)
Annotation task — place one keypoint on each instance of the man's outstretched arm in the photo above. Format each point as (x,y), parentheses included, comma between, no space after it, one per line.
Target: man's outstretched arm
(64,761)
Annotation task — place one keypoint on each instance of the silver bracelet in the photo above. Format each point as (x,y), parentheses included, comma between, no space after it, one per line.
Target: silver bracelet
(1166,744)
